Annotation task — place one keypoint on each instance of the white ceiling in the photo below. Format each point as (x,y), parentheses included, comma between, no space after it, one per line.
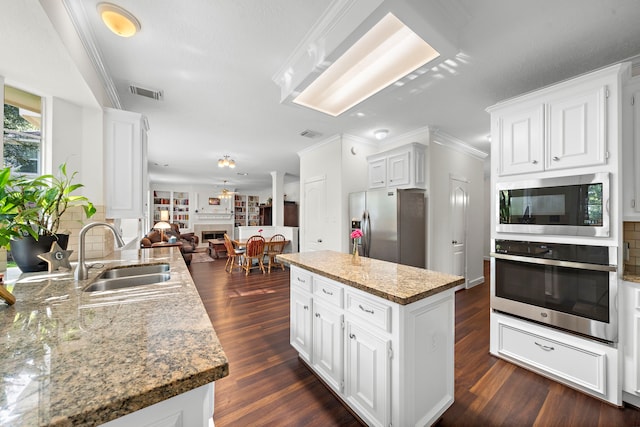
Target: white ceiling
(215,61)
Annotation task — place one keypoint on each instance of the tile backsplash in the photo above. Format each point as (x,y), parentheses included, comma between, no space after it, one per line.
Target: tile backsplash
(631,235)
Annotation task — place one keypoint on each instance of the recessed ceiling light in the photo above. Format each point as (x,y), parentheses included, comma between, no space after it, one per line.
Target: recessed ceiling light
(118,20)
(386,53)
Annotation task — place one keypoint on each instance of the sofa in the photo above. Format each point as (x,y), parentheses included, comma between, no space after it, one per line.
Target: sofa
(189,241)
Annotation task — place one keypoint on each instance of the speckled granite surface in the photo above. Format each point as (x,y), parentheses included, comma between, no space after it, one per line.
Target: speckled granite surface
(78,358)
(398,283)
(631,273)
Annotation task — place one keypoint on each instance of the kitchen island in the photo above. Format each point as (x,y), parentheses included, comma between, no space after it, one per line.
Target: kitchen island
(380,335)
(131,356)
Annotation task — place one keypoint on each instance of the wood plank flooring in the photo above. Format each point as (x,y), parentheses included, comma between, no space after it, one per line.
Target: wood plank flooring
(268,385)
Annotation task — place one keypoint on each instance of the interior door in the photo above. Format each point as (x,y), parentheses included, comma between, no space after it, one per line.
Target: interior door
(459,197)
(314,214)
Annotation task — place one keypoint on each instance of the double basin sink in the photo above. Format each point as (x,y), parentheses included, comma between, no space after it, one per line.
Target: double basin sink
(129,276)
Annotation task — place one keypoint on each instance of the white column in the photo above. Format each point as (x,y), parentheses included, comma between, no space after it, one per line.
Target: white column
(277,209)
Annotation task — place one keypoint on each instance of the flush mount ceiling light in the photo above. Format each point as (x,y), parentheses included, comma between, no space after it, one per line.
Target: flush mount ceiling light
(386,53)
(118,20)
(381,134)
(226,162)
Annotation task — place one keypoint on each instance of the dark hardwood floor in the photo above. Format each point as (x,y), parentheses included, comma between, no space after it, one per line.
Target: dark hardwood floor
(268,385)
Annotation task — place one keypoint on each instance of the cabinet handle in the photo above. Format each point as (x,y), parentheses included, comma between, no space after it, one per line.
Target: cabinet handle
(306,307)
(365,310)
(454,242)
(318,315)
(534,162)
(300,280)
(556,158)
(352,336)
(327,292)
(390,180)
(544,347)
(378,182)
(319,240)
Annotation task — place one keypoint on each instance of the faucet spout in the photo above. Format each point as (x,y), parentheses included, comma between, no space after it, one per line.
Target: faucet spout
(82,271)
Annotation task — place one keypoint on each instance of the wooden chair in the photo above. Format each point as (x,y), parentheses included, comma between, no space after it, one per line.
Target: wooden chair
(253,250)
(232,253)
(276,246)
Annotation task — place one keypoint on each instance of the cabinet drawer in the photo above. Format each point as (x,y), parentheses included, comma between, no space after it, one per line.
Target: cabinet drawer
(301,279)
(375,313)
(328,291)
(580,366)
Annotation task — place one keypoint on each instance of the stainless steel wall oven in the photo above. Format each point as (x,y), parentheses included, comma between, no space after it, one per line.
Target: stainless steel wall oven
(572,287)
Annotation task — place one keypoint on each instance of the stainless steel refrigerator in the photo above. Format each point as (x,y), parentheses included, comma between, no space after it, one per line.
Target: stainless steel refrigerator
(393,223)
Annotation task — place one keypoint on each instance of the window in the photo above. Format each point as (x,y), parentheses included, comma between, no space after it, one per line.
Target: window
(22,136)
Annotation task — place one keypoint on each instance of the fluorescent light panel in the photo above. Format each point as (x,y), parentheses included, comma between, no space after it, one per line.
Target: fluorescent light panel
(385,54)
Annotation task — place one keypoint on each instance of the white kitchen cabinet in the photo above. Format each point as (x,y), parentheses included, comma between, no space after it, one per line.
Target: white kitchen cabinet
(631,149)
(630,330)
(301,323)
(391,364)
(587,365)
(577,128)
(125,152)
(192,408)
(402,167)
(559,127)
(368,371)
(521,140)
(328,343)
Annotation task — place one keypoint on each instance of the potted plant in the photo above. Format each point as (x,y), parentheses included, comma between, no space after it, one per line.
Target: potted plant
(30,213)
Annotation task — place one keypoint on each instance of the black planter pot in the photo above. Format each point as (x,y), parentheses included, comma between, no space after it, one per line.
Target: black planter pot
(25,251)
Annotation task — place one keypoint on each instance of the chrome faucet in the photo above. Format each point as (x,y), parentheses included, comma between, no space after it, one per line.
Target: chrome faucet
(82,271)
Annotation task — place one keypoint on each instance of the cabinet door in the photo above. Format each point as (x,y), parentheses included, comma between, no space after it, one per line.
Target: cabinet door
(125,161)
(301,323)
(367,374)
(520,141)
(635,138)
(378,173)
(577,130)
(328,344)
(630,328)
(398,170)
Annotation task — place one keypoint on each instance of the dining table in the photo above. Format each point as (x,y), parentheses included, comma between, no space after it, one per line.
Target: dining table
(241,243)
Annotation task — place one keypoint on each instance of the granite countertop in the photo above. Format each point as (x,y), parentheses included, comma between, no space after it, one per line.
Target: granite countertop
(631,273)
(84,358)
(398,283)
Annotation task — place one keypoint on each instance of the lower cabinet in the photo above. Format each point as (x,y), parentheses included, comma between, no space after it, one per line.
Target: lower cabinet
(391,364)
(192,408)
(630,330)
(581,363)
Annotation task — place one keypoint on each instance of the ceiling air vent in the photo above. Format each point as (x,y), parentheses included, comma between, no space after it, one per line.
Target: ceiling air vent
(158,95)
(310,133)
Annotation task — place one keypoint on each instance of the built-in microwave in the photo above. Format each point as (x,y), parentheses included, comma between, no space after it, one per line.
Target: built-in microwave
(573,206)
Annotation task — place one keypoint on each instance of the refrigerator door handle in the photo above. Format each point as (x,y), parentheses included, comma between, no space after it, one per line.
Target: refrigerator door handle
(367,234)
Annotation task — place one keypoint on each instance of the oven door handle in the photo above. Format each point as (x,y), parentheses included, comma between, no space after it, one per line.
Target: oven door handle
(555,262)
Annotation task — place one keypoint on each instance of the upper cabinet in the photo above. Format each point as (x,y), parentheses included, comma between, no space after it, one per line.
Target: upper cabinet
(125,152)
(559,127)
(402,167)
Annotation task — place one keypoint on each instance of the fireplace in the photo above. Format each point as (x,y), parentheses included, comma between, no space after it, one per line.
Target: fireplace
(212,234)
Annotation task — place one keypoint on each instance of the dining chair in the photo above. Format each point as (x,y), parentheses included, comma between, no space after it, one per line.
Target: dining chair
(232,253)
(253,250)
(276,246)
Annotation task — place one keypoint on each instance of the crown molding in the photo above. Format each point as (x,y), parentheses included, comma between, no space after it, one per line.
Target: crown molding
(446,140)
(78,16)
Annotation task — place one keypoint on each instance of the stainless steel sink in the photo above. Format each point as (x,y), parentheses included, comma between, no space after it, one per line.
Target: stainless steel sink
(126,277)
(135,270)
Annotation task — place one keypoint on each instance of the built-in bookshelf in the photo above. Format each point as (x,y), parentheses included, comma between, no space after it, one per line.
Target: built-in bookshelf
(246,210)
(175,203)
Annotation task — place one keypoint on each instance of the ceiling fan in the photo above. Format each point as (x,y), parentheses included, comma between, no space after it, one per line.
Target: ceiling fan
(225,193)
